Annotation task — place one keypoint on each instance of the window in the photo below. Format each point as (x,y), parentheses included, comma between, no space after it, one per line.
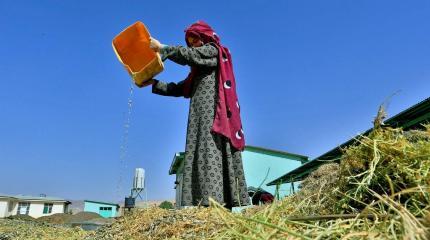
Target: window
(47,208)
(105,208)
(23,208)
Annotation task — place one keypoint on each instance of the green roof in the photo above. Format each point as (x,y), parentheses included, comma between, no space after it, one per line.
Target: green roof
(177,160)
(410,118)
(276,152)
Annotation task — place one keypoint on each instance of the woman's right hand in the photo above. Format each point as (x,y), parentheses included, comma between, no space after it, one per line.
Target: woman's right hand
(155,44)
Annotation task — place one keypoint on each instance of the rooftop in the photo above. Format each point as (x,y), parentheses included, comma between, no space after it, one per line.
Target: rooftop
(179,157)
(106,203)
(276,152)
(33,198)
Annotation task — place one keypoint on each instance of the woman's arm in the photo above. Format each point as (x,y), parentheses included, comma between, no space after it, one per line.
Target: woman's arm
(168,89)
(204,56)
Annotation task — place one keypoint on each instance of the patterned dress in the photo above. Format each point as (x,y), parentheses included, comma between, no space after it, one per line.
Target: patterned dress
(212,168)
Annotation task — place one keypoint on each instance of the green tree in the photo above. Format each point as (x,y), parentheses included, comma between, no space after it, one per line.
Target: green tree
(166,205)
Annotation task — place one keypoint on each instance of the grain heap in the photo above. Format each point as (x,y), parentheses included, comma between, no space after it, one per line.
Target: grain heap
(379,190)
(157,223)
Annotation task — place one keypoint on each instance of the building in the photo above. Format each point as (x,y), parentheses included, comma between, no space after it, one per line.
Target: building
(411,118)
(262,165)
(105,209)
(32,206)
(259,164)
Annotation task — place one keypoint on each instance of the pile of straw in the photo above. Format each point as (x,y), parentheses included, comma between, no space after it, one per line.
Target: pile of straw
(12,229)
(381,190)
(158,223)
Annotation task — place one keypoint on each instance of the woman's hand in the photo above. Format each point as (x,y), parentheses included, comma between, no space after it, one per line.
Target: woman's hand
(146,83)
(155,45)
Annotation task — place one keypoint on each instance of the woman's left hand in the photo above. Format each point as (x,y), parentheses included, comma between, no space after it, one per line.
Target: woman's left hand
(155,45)
(147,83)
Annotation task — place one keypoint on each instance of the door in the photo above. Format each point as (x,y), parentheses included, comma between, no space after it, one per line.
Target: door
(178,191)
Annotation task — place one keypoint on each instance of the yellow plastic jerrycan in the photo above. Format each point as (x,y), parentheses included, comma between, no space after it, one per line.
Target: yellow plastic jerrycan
(132,49)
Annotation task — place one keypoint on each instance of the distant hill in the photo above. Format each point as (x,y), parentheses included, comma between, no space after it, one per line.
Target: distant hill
(142,204)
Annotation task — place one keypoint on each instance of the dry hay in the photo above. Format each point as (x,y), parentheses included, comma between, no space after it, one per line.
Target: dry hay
(384,180)
(157,223)
(387,163)
(318,191)
(386,175)
(34,230)
(22,217)
(55,226)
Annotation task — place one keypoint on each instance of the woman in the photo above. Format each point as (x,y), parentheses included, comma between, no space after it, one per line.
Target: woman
(213,162)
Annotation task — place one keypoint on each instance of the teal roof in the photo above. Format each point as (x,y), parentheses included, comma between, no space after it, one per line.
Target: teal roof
(106,203)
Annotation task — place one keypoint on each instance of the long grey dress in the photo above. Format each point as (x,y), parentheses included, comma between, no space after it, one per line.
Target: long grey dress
(212,168)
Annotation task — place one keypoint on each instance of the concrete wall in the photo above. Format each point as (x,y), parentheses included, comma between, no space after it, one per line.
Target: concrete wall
(14,208)
(3,208)
(95,207)
(36,208)
(56,208)
(257,164)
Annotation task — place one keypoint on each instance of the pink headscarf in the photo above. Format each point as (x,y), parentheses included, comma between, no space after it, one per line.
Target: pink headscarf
(227,120)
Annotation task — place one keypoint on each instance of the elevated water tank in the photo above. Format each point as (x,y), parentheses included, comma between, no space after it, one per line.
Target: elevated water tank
(139,179)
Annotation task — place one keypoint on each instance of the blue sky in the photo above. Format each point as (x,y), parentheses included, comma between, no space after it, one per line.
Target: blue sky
(311,75)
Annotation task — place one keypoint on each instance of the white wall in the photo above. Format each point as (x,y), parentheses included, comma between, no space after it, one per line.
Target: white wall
(14,209)
(6,208)
(57,208)
(36,209)
(3,208)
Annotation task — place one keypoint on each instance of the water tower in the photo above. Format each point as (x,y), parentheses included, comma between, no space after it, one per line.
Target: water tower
(138,187)
(138,180)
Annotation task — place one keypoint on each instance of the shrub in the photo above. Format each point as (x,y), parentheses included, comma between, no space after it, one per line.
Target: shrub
(166,205)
